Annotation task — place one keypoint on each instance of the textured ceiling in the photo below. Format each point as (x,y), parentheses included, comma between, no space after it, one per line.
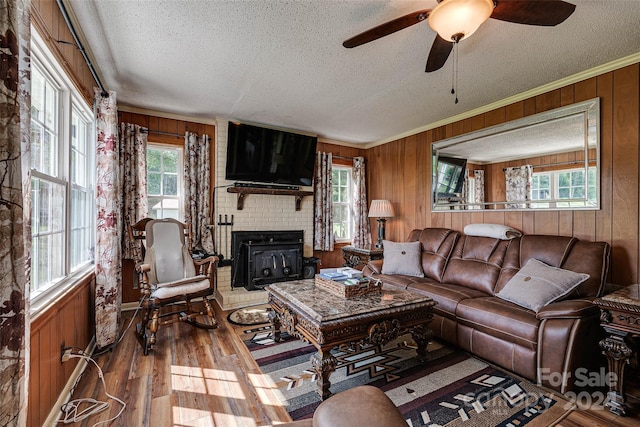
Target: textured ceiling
(281,63)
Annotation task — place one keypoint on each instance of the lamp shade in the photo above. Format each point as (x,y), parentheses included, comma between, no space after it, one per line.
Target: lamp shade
(381,209)
(459,17)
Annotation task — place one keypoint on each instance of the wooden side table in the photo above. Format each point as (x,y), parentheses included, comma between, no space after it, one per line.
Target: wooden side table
(354,256)
(620,318)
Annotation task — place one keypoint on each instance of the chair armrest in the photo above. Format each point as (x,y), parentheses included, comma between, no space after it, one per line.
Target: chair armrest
(569,309)
(375,266)
(207,266)
(207,260)
(143,268)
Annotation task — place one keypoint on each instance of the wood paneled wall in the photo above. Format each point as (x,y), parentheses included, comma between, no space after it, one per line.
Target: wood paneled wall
(400,171)
(495,180)
(46,17)
(69,322)
(159,130)
(334,258)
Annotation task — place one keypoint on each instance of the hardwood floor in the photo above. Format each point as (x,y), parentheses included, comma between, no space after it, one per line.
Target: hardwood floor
(193,377)
(197,377)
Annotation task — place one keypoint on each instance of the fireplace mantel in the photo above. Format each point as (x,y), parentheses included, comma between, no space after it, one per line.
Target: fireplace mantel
(243,191)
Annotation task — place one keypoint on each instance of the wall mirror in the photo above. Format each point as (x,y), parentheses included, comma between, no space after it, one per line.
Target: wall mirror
(548,160)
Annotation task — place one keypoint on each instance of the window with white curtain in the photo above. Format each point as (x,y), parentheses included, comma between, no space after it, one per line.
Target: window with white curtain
(562,186)
(342,194)
(164,181)
(62,176)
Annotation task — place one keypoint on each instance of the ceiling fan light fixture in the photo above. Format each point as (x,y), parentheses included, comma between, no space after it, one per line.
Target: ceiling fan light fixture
(453,18)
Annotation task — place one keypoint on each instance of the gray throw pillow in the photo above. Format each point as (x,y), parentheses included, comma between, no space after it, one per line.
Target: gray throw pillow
(402,258)
(538,284)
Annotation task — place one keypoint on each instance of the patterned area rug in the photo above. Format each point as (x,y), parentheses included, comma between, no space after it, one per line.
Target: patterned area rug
(452,389)
(249,316)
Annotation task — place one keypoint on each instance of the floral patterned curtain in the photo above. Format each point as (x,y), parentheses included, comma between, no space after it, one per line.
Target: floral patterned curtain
(519,181)
(464,195)
(478,186)
(361,230)
(197,173)
(108,221)
(133,177)
(323,204)
(15,209)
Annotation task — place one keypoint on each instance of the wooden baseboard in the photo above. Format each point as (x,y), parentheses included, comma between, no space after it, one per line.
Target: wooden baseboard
(66,391)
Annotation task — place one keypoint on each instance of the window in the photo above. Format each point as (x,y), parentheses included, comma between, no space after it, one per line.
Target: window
(561,187)
(342,199)
(541,188)
(164,181)
(82,201)
(62,178)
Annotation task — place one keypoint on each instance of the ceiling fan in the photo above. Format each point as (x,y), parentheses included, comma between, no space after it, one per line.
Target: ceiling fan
(455,20)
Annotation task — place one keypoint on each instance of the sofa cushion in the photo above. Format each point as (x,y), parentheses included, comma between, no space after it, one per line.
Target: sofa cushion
(537,284)
(447,296)
(402,258)
(437,245)
(400,281)
(501,319)
(476,263)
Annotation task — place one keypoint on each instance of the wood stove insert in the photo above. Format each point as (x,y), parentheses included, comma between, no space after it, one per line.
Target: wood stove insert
(263,257)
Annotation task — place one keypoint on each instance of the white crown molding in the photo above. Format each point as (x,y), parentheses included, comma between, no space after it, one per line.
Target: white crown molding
(575,78)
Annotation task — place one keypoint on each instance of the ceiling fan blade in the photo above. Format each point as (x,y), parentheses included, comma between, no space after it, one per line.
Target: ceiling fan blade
(387,28)
(533,12)
(439,54)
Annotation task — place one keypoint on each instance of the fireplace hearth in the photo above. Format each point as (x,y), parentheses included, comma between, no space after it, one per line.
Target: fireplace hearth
(263,257)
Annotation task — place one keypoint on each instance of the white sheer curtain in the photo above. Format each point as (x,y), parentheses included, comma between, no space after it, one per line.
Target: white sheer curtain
(518,182)
(361,230)
(323,239)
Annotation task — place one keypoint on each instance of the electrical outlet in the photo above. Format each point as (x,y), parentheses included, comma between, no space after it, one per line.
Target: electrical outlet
(66,354)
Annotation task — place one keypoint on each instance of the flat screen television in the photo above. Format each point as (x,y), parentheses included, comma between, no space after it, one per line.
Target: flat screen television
(262,155)
(450,177)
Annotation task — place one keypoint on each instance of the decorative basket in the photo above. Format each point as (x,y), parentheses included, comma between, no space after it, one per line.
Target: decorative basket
(341,289)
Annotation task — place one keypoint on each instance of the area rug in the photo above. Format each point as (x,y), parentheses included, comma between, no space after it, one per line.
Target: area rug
(452,389)
(249,316)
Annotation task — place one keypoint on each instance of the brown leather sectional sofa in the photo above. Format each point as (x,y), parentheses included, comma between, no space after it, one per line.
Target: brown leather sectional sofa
(555,346)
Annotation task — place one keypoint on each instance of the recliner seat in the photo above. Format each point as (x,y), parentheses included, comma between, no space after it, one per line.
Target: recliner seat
(464,273)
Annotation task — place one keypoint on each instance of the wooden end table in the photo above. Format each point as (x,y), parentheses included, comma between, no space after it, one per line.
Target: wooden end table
(325,320)
(354,256)
(620,318)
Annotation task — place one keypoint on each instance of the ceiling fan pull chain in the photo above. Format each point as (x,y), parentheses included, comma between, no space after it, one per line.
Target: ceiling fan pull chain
(454,74)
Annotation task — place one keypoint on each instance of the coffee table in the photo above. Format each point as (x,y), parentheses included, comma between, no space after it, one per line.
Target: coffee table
(325,320)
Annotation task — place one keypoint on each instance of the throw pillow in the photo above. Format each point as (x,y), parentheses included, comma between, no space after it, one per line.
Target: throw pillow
(497,231)
(538,284)
(402,258)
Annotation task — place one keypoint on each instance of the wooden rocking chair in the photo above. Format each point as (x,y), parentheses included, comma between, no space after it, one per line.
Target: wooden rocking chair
(167,277)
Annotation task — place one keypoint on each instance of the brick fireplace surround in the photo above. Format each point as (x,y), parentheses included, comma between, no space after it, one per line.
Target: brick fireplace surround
(260,212)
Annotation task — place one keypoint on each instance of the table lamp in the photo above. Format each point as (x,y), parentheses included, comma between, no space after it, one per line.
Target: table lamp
(381,209)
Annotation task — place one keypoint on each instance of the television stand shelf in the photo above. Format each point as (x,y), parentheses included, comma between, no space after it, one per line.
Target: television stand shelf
(243,191)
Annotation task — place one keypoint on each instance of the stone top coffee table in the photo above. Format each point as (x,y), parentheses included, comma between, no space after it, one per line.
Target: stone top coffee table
(325,320)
